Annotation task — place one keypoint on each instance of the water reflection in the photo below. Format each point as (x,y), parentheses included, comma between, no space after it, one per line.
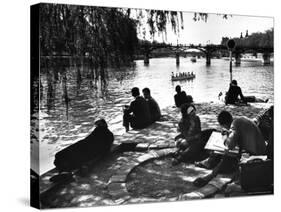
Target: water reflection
(73,97)
(50,91)
(65,94)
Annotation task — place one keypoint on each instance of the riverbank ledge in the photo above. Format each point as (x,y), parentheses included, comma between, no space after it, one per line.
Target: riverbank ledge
(104,183)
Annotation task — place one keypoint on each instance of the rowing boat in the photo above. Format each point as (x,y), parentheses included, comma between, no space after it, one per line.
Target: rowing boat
(187,77)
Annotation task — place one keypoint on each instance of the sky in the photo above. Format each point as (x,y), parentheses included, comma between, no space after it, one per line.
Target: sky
(216,27)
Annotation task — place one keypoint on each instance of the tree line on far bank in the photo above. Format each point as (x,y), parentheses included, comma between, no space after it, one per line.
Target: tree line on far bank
(256,39)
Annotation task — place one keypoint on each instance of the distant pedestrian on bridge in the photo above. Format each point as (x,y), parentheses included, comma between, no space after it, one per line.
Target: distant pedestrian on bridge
(154,109)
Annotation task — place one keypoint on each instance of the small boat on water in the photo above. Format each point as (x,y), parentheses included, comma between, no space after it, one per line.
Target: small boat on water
(183,76)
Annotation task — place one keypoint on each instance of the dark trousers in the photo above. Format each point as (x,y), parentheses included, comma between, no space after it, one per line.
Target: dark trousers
(196,149)
(222,164)
(129,119)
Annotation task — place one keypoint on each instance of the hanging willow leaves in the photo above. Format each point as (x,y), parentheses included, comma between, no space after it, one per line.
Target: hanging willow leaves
(105,37)
(98,36)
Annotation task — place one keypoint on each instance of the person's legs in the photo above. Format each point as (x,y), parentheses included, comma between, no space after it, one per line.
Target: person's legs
(226,164)
(209,163)
(194,150)
(126,119)
(254,99)
(261,100)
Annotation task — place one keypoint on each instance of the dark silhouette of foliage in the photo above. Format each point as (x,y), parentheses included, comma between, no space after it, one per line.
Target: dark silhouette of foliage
(98,36)
(105,35)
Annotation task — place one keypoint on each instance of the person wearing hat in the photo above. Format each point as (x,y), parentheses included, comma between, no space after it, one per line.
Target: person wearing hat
(190,134)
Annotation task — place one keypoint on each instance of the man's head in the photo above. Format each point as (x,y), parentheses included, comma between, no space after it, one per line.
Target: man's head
(234,82)
(225,119)
(146,92)
(101,123)
(178,89)
(135,92)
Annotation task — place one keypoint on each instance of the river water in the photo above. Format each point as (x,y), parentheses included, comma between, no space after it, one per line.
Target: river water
(60,127)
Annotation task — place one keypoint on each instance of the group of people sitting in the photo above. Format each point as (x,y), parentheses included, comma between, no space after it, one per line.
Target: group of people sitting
(142,112)
(234,95)
(252,136)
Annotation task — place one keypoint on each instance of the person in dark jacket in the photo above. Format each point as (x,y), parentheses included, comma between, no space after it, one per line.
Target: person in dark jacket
(95,145)
(180,97)
(137,114)
(233,93)
(188,141)
(154,109)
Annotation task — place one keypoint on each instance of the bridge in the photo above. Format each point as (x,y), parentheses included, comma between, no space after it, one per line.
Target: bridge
(146,48)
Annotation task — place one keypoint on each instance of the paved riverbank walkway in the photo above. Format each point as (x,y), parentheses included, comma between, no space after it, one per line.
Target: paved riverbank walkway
(143,172)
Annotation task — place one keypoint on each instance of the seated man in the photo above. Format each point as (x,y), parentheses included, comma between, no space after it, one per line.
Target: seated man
(180,97)
(154,109)
(137,114)
(233,92)
(241,132)
(95,145)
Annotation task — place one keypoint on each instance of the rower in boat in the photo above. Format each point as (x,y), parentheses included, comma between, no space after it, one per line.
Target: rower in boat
(182,76)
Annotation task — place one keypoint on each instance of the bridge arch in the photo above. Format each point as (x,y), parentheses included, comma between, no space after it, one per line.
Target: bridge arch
(176,49)
(208,50)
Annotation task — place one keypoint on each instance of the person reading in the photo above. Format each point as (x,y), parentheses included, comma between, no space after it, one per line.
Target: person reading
(242,133)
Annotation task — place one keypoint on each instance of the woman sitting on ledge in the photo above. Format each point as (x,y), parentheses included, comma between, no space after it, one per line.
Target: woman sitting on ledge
(234,91)
(190,132)
(95,145)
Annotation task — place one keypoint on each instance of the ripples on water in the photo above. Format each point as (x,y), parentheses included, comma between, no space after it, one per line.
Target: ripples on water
(58,129)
